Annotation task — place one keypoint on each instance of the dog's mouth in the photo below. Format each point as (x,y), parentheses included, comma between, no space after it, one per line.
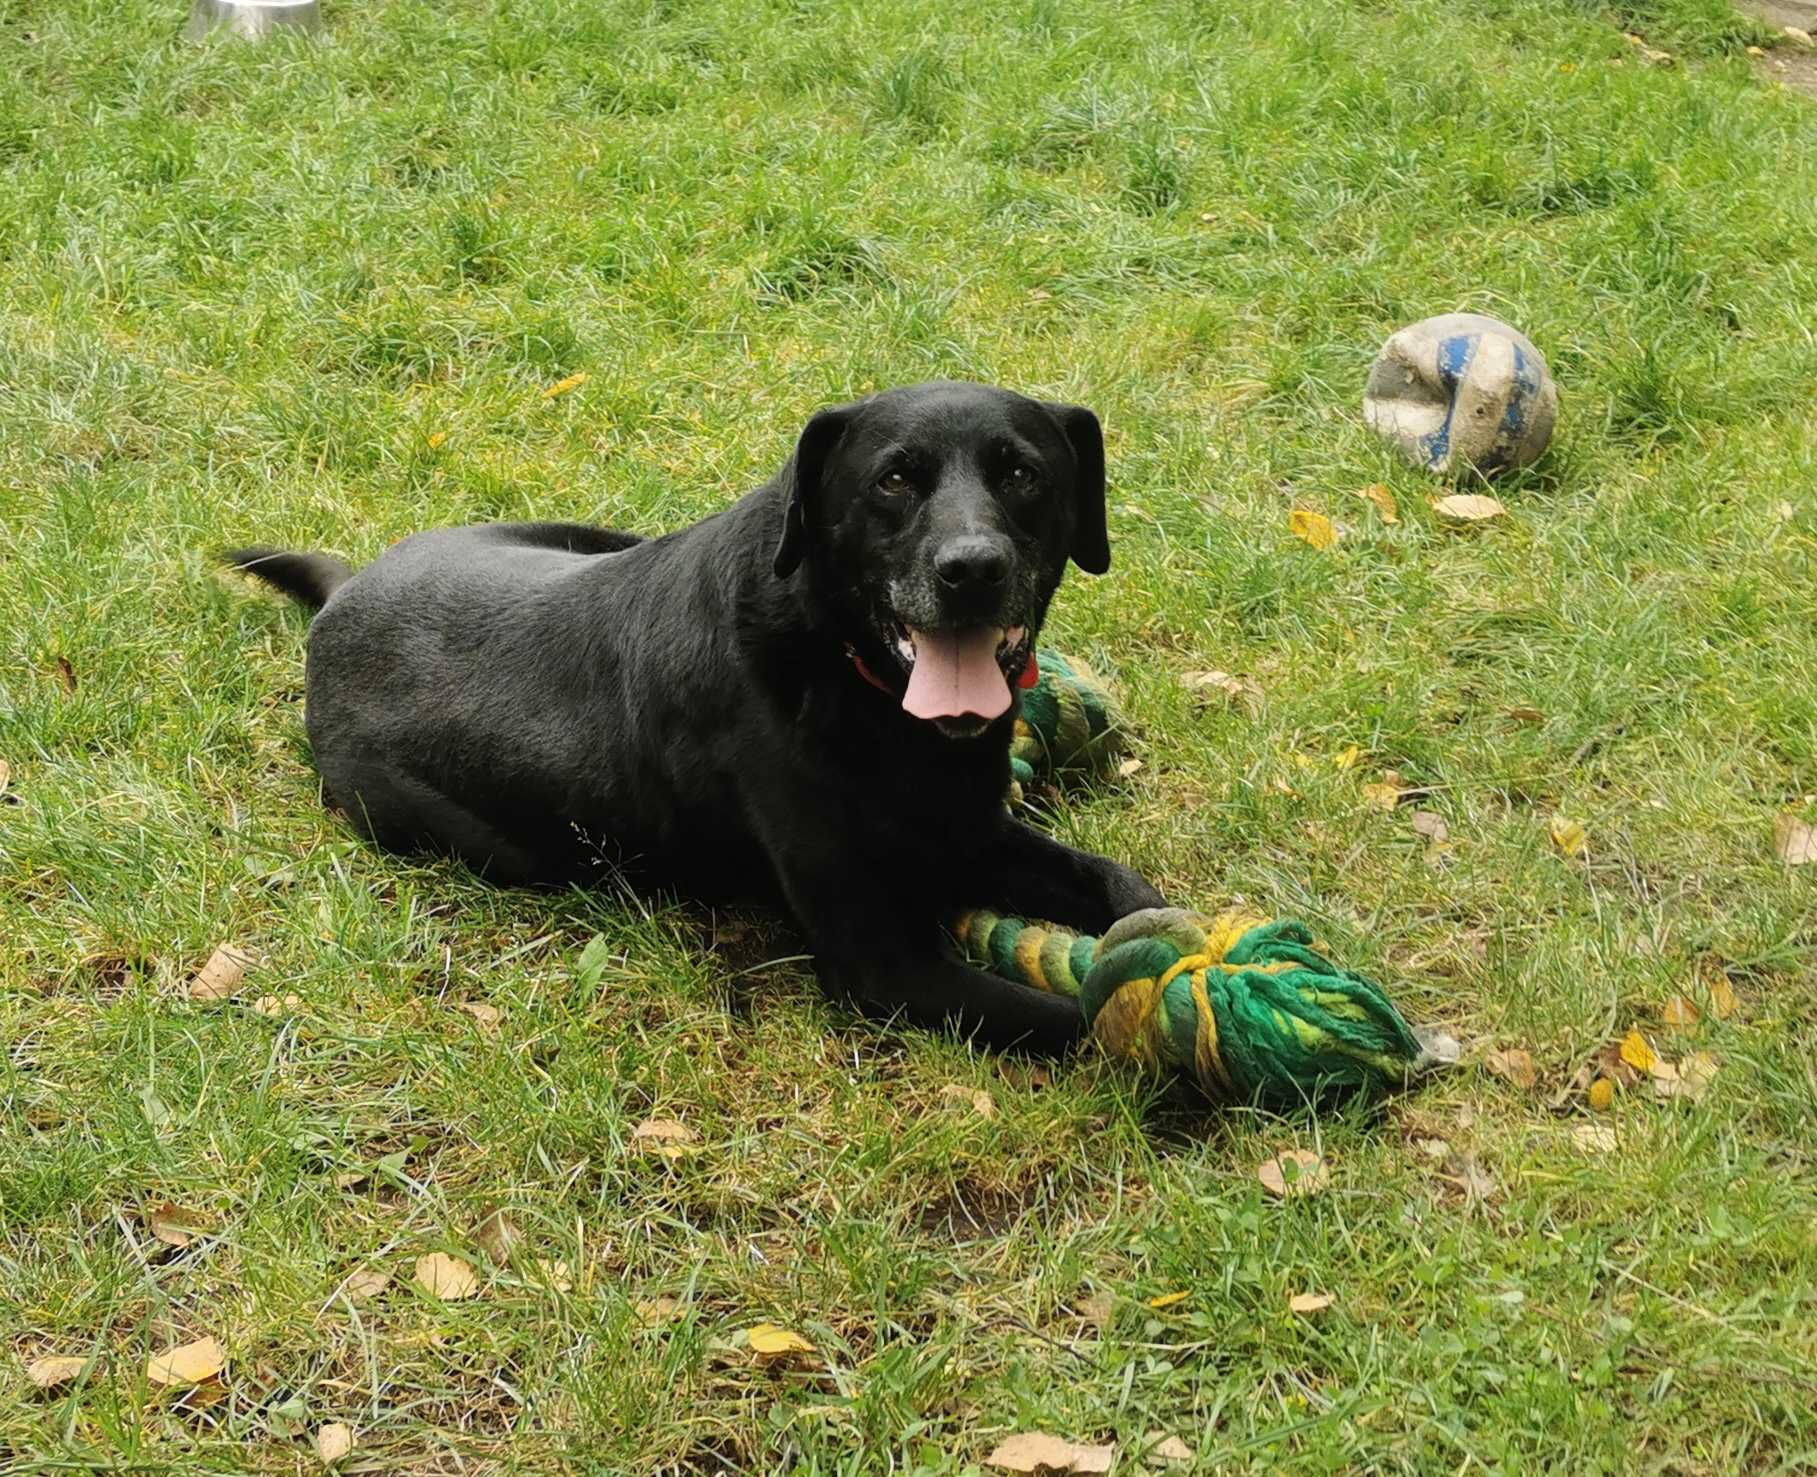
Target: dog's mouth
(959,679)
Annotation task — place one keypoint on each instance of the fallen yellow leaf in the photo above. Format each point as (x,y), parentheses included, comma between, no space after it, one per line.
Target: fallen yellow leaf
(1383,499)
(1602,1094)
(446,1277)
(187,1364)
(1637,1052)
(666,1137)
(1723,999)
(1515,1064)
(1594,1138)
(1524,715)
(1172,1451)
(1567,836)
(1382,796)
(1129,768)
(6,775)
(773,1341)
(1038,1452)
(1794,841)
(1293,1172)
(562,386)
(1309,1302)
(1168,1299)
(222,975)
(55,1369)
(1346,757)
(332,1442)
(1468,507)
(274,1005)
(436,438)
(1679,1014)
(1312,528)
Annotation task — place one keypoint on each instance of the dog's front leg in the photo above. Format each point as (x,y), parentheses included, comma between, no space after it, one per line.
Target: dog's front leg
(1030,875)
(893,959)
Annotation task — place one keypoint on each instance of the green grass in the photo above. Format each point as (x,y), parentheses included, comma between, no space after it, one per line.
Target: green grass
(310,293)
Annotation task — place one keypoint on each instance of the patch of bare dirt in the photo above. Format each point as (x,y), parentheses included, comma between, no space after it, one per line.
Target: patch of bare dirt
(1792,62)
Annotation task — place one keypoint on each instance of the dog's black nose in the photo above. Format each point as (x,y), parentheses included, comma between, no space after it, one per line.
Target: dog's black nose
(973,561)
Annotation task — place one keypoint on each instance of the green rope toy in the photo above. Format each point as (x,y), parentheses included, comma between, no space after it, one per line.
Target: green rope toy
(1246,1007)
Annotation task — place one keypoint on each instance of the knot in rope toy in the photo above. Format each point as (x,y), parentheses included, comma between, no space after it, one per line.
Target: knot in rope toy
(1245,1007)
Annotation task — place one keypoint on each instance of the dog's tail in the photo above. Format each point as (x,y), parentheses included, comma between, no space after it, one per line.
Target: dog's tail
(311,578)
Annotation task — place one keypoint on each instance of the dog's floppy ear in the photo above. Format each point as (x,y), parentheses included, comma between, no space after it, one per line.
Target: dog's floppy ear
(1091,539)
(802,482)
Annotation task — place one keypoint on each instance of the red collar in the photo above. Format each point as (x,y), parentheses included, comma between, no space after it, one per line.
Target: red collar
(1030,675)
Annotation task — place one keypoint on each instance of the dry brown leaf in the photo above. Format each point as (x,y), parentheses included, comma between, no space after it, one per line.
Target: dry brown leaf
(1794,840)
(1172,1451)
(222,975)
(1098,1309)
(1637,1051)
(6,775)
(173,1226)
(55,1369)
(273,1005)
(1038,1452)
(66,674)
(1689,1081)
(1465,1171)
(1594,1138)
(1129,768)
(1312,528)
(1602,1094)
(657,1309)
(365,1284)
(1567,835)
(1207,682)
(1383,499)
(1515,1064)
(1168,1299)
(1382,796)
(1468,507)
(1679,1014)
(1293,1172)
(1309,1302)
(771,1341)
(555,1273)
(497,1237)
(332,1443)
(980,1101)
(1433,1148)
(446,1277)
(1524,715)
(1431,825)
(488,1016)
(666,1137)
(187,1364)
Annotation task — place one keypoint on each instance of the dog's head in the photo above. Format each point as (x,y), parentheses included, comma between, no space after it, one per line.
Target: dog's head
(936,521)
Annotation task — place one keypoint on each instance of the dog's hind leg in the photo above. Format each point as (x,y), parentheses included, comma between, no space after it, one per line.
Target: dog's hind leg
(401,813)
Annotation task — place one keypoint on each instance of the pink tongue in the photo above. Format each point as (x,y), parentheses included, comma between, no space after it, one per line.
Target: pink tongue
(956,673)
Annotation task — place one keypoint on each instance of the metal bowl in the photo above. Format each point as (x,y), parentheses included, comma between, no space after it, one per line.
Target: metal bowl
(252,17)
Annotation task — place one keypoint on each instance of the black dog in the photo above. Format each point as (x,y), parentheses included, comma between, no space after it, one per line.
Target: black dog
(808,697)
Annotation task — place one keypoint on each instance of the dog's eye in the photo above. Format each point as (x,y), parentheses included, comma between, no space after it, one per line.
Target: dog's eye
(1021,478)
(892,484)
